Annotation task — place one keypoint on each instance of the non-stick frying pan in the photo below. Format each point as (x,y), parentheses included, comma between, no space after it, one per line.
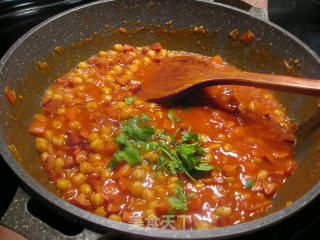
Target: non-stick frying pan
(19,71)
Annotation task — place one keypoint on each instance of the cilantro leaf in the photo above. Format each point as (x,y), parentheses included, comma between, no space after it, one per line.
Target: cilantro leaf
(144,117)
(249,184)
(171,115)
(129,100)
(187,136)
(179,202)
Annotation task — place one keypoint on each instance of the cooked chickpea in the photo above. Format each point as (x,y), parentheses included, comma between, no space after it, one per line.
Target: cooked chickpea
(61,111)
(58,141)
(41,144)
(173,179)
(163,53)
(92,105)
(146,60)
(125,113)
(56,124)
(100,212)
(151,54)
(138,174)
(74,125)
(172,188)
(128,75)
(78,178)
(223,211)
(199,185)
(83,65)
(256,160)
(133,67)
(97,145)
(262,174)
(138,102)
(136,188)
(63,184)
(117,69)
(136,62)
(93,136)
(152,156)
(227,147)
(44,156)
(48,134)
(118,47)
(115,217)
(150,212)
(86,167)
(77,80)
(105,173)
(96,199)
(102,54)
(56,96)
(148,195)
(85,188)
(159,191)
(59,163)
(202,225)
(109,78)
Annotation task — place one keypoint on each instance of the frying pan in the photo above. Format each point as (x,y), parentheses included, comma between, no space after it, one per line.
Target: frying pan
(19,71)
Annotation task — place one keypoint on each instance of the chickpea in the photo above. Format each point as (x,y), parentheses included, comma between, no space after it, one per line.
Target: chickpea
(48,134)
(97,145)
(78,178)
(149,213)
(172,188)
(151,54)
(152,156)
(128,74)
(74,125)
(63,184)
(59,163)
(49,92)
(95,157)
(41,144)
(146,60)
(173,179)
(136,62)
(223,211)
(96,199)
(100,212)
(118,47)
(83,65)
(256,160)
(262,174)
(56,124)
(115,217)
(125,113)
(58,141)
(61,111)
(138,174)
(77,80)
(56,96)
(202,225)
(133,67)
(86,167)
(93,136)
(44,156)
(159,191)
(92,105)
(163,53)
(105,173)
(136,188)
(199,185)
(109,78)
(148,195)
(85,188)
(138,102)
(227,147)
(102,54)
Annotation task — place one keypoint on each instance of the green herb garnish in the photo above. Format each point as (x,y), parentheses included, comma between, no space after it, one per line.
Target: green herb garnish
(249,184)
(144,117)
(129,100)
(180,201)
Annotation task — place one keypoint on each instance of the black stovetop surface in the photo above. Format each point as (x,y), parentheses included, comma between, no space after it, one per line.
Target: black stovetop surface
(300,17)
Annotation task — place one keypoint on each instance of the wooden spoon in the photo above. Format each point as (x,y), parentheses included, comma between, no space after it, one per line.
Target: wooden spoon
(177,74)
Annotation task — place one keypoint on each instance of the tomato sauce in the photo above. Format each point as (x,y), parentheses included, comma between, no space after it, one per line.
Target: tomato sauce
(215,159)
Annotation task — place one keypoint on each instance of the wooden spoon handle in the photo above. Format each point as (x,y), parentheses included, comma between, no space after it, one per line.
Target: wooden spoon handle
(275,82)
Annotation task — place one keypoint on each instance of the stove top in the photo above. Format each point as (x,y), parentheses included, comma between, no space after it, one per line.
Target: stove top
(300,17)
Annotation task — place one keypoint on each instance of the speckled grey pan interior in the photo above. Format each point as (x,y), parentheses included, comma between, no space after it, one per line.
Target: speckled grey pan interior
(18,71)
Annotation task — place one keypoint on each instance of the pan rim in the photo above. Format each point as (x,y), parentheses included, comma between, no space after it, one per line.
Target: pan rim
(103,223)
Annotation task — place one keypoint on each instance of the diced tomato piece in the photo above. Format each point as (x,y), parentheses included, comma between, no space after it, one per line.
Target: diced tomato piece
(69,162)
(108,191)
(250,167)
(80,156)
(288,166)
(95,181)
(269,188)
(103,62)
(217,60)
(122,171)
(72,113)
(37,127)
(127,48)
(81,201)
(194,203)
(156,47)
(124,184)
(126,59)
(248,37)
(162,207)
(49,164)
(11,95)
(113,207)
(230,169)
